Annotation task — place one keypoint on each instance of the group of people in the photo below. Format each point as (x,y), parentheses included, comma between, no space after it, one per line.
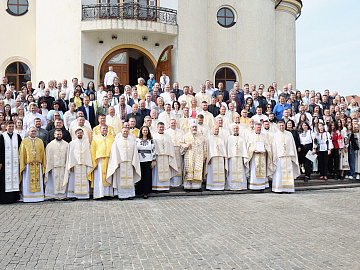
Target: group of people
(61,142)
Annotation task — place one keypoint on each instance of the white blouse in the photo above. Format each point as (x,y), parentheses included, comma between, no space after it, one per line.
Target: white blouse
(146,150)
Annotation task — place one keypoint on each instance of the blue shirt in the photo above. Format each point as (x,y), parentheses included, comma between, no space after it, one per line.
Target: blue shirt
(279,109)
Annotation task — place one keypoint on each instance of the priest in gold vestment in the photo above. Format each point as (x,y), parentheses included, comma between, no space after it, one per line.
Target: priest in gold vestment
(237,157)
(260,159)
(217,166)
(100,153)
(78,165)
(32,167)
(124,166)
(285,160)
(176,134)
(102,121)
(193,147)
(56,154)
(166,166)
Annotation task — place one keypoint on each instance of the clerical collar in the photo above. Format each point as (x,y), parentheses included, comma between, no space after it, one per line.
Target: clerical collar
(104,135)
(257,133)
(32,138)
(236,134)
(238,123)
(161,133)
(132,128)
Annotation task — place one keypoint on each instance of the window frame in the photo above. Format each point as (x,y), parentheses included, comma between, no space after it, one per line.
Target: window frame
(17,6)
(225,17)
(224,80)
(17,74)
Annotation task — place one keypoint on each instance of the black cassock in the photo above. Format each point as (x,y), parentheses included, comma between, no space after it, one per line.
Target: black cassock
(6,197)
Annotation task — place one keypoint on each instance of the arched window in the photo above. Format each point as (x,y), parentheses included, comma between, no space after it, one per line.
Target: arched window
(18,73)
(227,76)
(17,7)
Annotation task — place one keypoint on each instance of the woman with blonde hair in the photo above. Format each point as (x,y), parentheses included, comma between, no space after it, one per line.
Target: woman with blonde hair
(19,128)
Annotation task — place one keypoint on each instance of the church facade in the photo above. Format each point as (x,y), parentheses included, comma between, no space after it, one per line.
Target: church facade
(250,41)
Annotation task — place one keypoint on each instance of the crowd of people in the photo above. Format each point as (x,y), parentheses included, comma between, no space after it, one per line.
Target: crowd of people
(65,141)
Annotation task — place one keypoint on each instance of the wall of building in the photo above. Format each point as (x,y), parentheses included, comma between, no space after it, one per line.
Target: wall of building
(58,40)
(285,48)
(249,44)
(193,43)
(18,42)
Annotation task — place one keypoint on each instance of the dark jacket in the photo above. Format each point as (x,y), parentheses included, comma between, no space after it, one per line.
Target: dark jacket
(66,135)
(214,110)
(91,117)
(138,117)
(64,105)
(43,135)
(49,101)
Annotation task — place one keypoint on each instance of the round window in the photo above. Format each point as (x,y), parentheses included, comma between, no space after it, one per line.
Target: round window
(17,7)
(225,17)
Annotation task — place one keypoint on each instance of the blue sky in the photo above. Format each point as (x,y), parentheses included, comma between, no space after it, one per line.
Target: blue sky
(328,46)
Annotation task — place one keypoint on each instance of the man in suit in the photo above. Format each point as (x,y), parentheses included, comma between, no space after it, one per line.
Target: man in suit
(212,107)
(64,104)
(239,94)
(88,111)
(134,98)
(178,92)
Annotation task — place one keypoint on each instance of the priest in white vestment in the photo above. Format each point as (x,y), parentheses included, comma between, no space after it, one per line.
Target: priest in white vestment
(113,121)
(285,160)
(86,130)
(226,120)
(166,166)
(237,158)
(217,166)
(32,167)
(176,134)
(166,116)
(124,166)
(260,159)
(184,121)
(100,154)
(208,117)
(56,154)
(202,128)
(9,165)
(193,147)
(78,165)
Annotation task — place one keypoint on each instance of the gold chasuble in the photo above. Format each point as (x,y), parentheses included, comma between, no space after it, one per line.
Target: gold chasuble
(96,131)
(237,152)
(124,156)
(32,152)
(194,157)
(114,122)
(56,153)
(263,161)
(284,149)
(100,149)
(216,153)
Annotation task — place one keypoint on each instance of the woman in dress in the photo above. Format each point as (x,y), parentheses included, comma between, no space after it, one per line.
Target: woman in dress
(7,113)
(160,105)
(90,88)
(344,155)
(147,157)
(336,138)
(194,109)
(21,112)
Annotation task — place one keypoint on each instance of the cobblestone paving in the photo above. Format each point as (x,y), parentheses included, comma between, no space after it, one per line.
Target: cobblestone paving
(305,230)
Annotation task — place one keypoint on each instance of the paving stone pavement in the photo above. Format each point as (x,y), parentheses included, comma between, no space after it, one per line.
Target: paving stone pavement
(305,230)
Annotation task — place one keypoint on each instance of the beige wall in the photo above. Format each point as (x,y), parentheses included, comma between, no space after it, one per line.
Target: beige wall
(285,48)
(58,40)
(18,42)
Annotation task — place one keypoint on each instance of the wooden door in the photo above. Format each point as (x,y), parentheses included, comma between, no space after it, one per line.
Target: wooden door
(140,67)
(120,62)
(164,63)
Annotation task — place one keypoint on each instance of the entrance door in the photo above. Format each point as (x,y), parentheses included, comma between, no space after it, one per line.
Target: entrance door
(120,62)
(164,63)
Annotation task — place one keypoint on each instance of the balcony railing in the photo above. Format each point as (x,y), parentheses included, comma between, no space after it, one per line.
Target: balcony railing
(129,11)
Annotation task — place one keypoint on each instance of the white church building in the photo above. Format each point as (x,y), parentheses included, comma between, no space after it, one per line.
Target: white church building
(250,41)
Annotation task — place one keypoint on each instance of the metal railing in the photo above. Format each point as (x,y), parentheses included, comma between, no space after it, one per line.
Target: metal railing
(129,11)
